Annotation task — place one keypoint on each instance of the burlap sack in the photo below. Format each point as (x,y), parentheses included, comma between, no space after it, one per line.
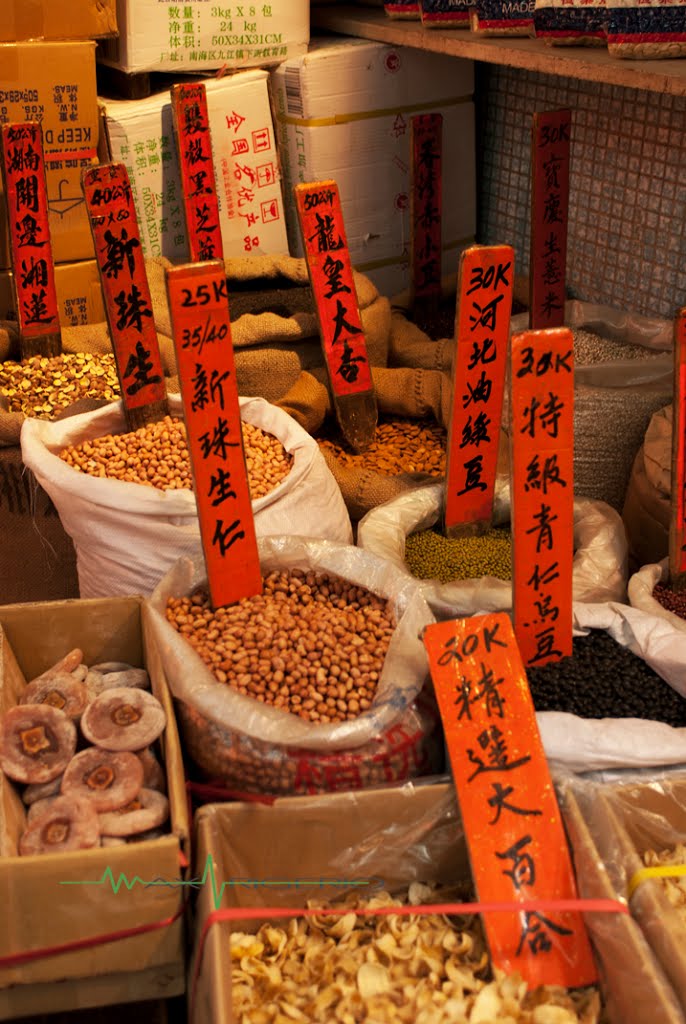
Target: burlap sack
(401,391)
(647,506)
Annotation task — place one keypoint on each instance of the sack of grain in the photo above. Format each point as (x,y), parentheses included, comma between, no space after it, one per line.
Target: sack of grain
(255,746)
(128,534)
(502,17)
(647,505)
(646,29)
(641,591)
(575,23)
(600,559)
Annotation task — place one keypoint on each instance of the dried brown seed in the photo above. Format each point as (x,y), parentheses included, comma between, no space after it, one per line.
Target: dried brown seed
(68,824)
(123,719)
(109,779)
(37,742)
(148,810)
(61,691)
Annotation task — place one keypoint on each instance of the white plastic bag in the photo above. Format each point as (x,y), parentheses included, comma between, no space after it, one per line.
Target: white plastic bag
(127,535)
(640,589)
(599,572)
(588,744)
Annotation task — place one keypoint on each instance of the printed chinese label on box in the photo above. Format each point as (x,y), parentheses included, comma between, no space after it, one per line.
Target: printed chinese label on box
(197,35)
(140,135)
(365,145)
(54,83)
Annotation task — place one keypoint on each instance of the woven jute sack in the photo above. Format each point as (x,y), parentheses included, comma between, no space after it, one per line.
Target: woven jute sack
(400,391)
(273,321)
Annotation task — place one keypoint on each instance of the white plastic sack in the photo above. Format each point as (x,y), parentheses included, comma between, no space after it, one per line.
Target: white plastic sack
(127,535)
(641,586)
(587,744)
(402,677)
(600,561)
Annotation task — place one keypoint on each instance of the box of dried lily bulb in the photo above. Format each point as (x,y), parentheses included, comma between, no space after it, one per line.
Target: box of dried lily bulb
(91,798)
(376,847)
(640,831)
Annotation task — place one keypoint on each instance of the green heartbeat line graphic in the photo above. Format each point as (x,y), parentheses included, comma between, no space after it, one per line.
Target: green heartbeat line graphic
(217,891)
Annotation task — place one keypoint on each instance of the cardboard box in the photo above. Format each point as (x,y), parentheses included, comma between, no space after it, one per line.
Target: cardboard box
(54,83)
(57,19)
(637,817)
(37,910)
(343,112)
(79,294)
(251,214)
(197,36)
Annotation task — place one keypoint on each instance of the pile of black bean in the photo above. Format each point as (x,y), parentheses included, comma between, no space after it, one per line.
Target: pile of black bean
(602,679)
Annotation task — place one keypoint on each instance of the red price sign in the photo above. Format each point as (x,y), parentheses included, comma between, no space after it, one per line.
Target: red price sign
(677,532)
(194,142)
(483,320)
(340,325)
(426,206)
(128,304)
(507,801)
(199,304)
(23,168)
(542,492)
(549,213)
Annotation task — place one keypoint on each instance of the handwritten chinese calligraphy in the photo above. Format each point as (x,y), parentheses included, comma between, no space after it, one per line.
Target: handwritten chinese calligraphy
(677,532)
(426,206)
(128,304)
(342,335)
(549,203)
(198,299)
(23,167)
(542,487)
(483,317)
(507,802)
(194,142)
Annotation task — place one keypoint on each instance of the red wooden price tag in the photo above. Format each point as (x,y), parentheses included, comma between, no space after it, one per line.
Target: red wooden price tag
(194,142)
(677,532)
(426,207)
(128,304)
(199,304)
(23,170)
(549,213)
(542,492)
(507,801)
(340,326)
(483,320)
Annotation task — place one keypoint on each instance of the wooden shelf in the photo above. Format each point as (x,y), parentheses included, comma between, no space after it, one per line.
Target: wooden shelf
(586,63)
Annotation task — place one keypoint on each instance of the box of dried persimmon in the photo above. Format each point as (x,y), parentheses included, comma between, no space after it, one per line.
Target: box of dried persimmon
(92,811)
(361,851)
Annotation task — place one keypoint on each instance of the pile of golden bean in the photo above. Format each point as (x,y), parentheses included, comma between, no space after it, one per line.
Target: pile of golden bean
(311,644)
(157,455)
(43,387)
(401,446)
(431,556)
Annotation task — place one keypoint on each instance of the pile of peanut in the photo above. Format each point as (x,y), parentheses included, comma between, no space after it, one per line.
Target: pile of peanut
(44,387)
(311,644)
(157,455)
(401,446)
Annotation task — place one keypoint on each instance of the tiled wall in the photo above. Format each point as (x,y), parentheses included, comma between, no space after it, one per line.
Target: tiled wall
(627,225)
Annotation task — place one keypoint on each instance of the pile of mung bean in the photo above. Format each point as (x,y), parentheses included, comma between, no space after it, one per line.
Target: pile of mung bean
(311,644)
(43,387)
(157,455)
(603,679)
(431,556)
(401,446)
(673,600)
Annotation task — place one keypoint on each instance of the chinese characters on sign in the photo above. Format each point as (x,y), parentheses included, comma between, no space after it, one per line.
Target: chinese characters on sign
(125,290)
(192,128)
(23,167)
(340,326)
(677,532)
(198,300)
(549,212)
(426,206)
(507,802)
(483,320)
(542,489)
